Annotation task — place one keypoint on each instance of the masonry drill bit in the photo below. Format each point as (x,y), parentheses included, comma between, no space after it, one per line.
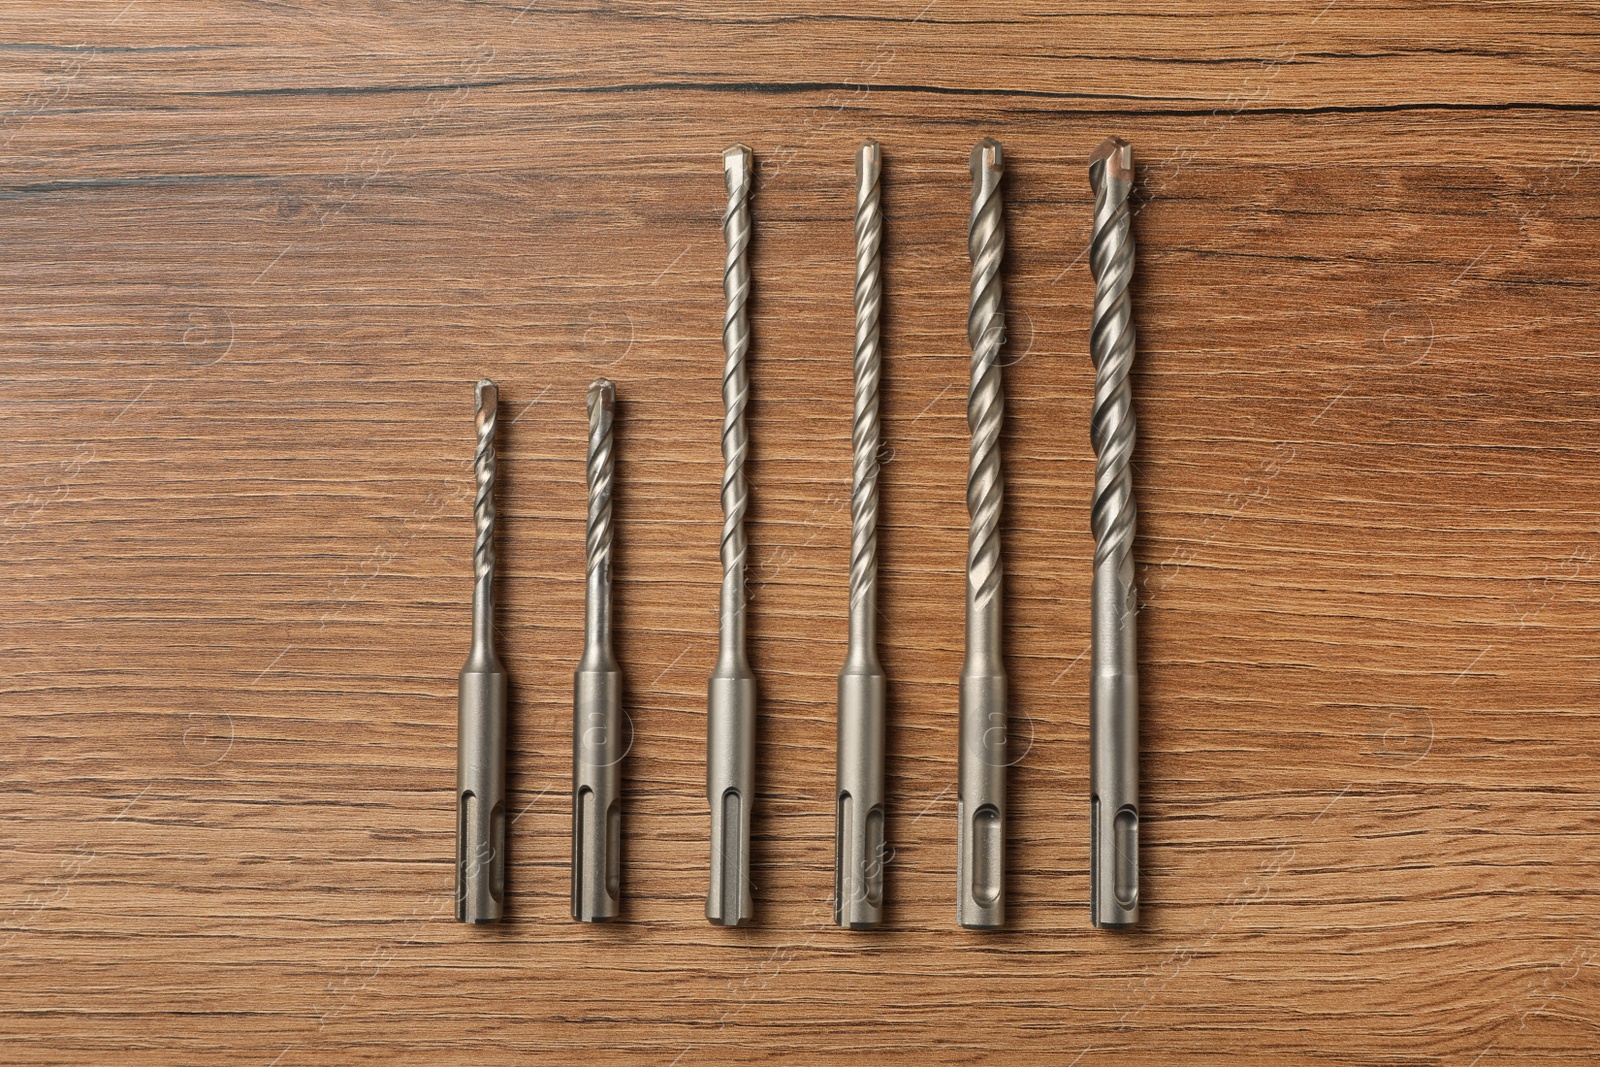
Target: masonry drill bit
(1114,691)
(980,863)
(731,693)
(597,697)
(481,724)
(858,830)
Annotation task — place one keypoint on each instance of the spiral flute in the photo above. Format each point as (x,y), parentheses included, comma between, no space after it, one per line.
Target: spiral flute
(980,862)
(481,722)
(731,692)
(597,696)
(858,831)
(1114,692)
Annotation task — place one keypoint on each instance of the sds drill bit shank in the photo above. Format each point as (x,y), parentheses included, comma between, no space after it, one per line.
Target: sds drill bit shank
(1114,692)
(858,832)
(980,863)
(731,693)
(597,696)
(481,739)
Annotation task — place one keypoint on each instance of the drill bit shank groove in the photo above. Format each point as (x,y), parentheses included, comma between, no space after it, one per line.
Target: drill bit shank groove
(980,864)
(597,695)
(859,817)
(1114,692)
(481,724)
(731,691)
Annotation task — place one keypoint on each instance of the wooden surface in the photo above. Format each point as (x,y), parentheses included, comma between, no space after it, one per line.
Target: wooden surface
(253,255)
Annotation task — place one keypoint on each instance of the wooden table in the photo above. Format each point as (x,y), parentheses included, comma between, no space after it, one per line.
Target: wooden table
(254,254)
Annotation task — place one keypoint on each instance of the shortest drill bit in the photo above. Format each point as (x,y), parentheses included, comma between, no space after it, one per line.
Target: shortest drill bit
(481,723)
(597,697)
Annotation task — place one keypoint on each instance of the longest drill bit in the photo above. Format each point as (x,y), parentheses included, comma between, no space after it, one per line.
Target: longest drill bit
(858,830)
(980,863)
(1114,692)
(481,724)
(597,697)
(731,692)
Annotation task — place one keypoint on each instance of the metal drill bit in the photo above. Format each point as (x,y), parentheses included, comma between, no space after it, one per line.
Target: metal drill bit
(980,864)
(731,693)
(481,724)
(858,830)
(1114,692)
(597,697)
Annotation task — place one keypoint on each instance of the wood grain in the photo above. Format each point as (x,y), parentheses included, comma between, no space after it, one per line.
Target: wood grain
(253,255)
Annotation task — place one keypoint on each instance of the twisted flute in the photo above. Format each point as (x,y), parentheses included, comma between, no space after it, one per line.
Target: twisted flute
(597,696)
(980,862)
(1114,692)
(858,829)
(731,691)
(481,715)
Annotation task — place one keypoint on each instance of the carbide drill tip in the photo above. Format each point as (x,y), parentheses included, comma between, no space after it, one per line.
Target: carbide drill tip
(869,161)
(987,161)
(1117,154)
(738,163)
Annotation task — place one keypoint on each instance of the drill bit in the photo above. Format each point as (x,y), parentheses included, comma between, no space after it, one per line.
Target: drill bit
(597,697)
(1114,692)
(731,692)
(481,723)
(980,863)
(858,829)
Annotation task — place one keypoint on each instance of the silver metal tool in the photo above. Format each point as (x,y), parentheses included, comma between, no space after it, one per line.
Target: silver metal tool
(481,723)
(597,697)
(980,864)
(731,693)
(858,831)
(1114,691)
